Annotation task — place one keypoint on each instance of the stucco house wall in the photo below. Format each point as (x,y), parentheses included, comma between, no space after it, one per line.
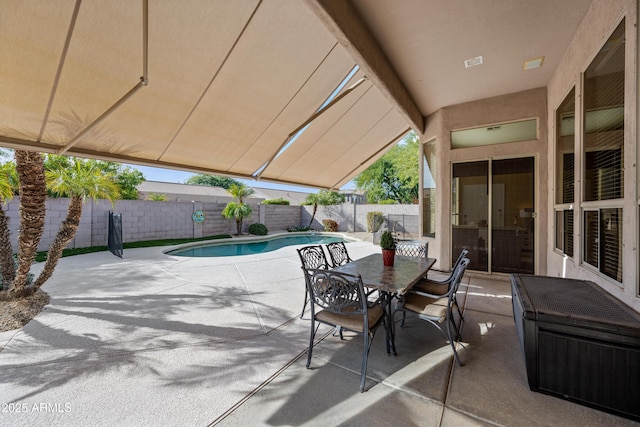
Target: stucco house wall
(599,22)
(512,107)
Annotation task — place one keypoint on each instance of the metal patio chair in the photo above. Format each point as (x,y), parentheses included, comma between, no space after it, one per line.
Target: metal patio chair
(339,300)
(412,248)
(440,287)
(312,257)
(436,309)
(338,254)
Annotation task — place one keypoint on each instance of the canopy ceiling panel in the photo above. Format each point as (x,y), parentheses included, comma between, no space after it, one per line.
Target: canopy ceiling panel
(217,87)
(321,154)
(261,77)
(307,100)
(31,38)
(103,62)
(186,50)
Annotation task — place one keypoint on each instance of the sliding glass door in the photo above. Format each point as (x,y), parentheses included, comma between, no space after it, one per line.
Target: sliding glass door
(470,212)
(492,214)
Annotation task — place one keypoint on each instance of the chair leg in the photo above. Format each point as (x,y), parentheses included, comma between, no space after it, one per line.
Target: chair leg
(304,306)
(453,344)
(365,356)
(338,330)
(455,301)
(456,327)
(311,338)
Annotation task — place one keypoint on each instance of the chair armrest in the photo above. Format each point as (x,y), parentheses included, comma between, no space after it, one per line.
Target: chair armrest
(428,295)
(437,282)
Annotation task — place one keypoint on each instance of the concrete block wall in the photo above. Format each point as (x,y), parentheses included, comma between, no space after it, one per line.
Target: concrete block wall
(215,224)
(279,217)
(353,218)
(150,220)
(56,212)
(142,220)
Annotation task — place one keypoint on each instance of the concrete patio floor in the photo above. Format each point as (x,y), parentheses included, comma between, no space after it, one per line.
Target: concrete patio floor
(159,340)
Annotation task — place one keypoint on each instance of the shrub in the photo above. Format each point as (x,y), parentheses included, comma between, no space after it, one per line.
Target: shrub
(297,228)
(375,220)
(279,201)
(157,197)
(386,240)
(330,225)
(388,202)
(258,229)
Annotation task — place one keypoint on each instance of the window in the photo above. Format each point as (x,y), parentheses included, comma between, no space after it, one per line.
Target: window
(603,156)
(565,160)
(429,189)
(524,130)
(564,231)
(603,241)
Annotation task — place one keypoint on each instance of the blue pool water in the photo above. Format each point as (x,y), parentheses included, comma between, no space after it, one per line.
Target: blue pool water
(250,248)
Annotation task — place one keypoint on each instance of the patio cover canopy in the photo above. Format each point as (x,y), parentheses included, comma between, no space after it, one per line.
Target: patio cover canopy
(206,86)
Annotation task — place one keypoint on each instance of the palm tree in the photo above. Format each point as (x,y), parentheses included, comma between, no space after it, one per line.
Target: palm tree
(33,196)
(238,209)
(8,185)
(324,198)
(84,179)
(312,199)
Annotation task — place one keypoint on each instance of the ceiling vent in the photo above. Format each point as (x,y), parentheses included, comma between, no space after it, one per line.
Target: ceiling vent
(472,62)
(533,63)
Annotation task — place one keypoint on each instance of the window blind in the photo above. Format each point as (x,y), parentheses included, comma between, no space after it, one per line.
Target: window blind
(611,235)
(604,120)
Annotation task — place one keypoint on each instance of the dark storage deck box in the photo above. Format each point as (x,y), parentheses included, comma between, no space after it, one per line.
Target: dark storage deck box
(579,342)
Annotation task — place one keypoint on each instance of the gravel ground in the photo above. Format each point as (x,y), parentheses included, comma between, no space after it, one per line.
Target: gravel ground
(15,314)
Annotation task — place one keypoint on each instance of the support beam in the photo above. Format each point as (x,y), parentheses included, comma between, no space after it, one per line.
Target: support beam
(343,21)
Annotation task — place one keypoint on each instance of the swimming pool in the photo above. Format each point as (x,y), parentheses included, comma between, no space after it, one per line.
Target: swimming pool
(266,244)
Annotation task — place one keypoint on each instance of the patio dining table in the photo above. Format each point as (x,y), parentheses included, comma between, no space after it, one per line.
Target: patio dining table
(392,281)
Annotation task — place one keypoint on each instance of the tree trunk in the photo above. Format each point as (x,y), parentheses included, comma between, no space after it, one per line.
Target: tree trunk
(315,208)
(67,231)
(239,226)
(6,252)
(33,196)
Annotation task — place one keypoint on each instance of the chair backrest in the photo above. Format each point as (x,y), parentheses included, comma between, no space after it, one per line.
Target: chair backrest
(313,257)
(413,249)
(336,292)
(457,277)
(338,254)
(463,254)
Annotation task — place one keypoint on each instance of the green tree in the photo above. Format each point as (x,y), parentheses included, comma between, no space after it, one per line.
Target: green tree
(394,176)
(83,179)
(213,181)
(238,209)
(126,178)
(323,198)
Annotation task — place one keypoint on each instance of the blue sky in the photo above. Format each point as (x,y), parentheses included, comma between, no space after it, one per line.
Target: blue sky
(170,175)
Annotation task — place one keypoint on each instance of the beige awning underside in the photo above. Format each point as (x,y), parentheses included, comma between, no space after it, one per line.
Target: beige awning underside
(228,81)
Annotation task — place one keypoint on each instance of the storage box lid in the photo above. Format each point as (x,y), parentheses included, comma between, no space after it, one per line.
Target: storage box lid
(572,301)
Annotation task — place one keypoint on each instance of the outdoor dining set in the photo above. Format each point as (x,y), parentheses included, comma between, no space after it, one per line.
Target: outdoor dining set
(362,295)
